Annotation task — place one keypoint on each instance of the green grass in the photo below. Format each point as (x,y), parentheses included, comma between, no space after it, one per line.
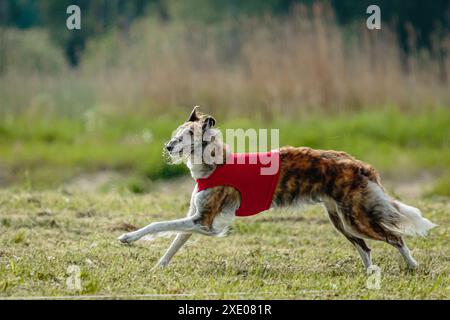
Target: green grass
(43,152)
(441,187)
(279,254)
(45,226)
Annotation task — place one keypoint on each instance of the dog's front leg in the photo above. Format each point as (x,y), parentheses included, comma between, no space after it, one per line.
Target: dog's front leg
(177,243)
(188,224)
(180,238)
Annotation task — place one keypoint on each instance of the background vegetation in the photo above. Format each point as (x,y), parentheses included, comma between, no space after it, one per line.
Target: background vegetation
(84,115)
(73,101)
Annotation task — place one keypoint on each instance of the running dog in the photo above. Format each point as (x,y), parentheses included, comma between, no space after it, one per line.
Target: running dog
(350,190)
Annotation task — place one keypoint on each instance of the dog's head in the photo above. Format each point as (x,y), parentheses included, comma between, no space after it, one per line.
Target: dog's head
(192,137)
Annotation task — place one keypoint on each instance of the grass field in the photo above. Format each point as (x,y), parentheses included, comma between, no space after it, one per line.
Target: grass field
(279,254)
(71,186)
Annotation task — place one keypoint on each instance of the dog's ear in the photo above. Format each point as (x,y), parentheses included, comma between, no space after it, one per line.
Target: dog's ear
(208,122)
(193,116)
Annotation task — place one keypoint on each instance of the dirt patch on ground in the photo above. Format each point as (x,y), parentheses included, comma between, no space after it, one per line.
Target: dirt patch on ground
(122,226)
(410,187)
(91,182)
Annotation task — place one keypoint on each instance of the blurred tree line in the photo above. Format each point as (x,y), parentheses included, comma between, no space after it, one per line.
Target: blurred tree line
(425,17)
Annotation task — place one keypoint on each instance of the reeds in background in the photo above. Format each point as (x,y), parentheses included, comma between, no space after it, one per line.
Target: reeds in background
(303,63)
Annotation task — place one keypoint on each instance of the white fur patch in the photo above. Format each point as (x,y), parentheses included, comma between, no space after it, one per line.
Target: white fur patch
(412,222)
(154,236)
(407,220)
(222,223)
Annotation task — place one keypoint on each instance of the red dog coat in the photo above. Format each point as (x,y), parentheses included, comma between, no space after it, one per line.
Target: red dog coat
(248,173)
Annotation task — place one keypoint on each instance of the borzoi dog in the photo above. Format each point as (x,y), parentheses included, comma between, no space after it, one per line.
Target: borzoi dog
(351,191)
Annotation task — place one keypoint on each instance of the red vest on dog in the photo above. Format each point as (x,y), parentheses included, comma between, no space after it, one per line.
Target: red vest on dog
(252,174)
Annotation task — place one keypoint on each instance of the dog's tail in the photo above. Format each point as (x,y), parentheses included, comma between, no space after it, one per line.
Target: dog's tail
(410,221)
(397,216)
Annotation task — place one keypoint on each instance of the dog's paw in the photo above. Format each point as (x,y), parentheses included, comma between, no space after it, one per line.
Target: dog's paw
(162,264)
(128,237)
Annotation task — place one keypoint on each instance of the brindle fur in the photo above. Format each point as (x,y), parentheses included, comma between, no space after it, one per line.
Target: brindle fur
(316,175)
(350,190)
(215,202)
(321,175)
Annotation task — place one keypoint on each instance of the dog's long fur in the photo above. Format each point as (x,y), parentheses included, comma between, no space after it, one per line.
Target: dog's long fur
(350,190)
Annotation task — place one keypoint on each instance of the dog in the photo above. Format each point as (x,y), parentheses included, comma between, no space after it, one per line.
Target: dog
(350,190)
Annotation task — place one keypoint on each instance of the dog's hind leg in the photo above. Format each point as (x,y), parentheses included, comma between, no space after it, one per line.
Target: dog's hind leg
(400,245)
(360,244)
(395,219)
(406,254)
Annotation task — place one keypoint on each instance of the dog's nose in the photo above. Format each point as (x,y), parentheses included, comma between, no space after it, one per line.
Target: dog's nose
(169,147)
